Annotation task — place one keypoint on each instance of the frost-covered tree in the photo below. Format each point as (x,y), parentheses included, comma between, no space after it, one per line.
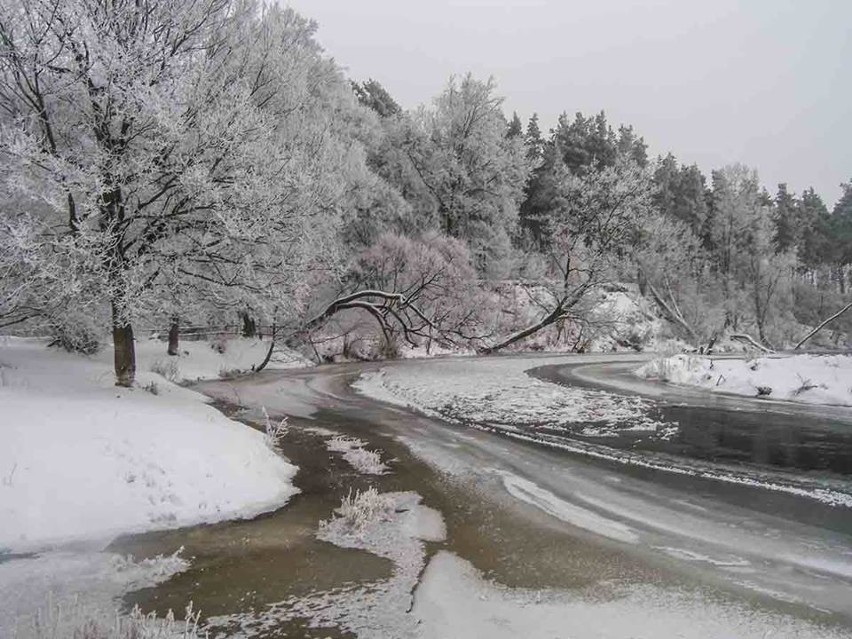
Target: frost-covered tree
(752,273)
(472,173)
(674,273)
(419,289)
(594,226)
(167,143)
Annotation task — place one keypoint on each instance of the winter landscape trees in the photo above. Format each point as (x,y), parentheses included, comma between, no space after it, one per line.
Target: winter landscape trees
(167,162)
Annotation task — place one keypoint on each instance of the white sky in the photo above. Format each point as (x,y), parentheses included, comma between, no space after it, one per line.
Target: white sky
(763,82)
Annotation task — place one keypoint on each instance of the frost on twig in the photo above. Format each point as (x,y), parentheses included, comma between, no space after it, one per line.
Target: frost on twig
(274,431)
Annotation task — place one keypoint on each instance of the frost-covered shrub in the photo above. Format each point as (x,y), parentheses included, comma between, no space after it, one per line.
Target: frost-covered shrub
(274,431)
(363,508)
(364,461)
(229,373)
(388,348)
(168,368)
(670,369)
(76,337)
(220,344)
(76,621)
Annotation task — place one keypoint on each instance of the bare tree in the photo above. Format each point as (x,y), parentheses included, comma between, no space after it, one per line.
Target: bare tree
(420,289)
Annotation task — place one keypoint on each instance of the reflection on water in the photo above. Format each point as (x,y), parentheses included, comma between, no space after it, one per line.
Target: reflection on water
(784,441)
(787,442)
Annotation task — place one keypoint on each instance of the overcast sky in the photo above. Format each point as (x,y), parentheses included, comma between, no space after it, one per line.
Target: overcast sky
(764,82)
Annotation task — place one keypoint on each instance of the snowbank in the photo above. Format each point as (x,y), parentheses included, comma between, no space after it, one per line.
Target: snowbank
(815,379)
(208,360)
(82,459)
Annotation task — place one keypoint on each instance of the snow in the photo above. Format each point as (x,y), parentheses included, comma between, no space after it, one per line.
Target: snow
(209,360)
(454,601)
(814,379)
(83,459)
(498,392)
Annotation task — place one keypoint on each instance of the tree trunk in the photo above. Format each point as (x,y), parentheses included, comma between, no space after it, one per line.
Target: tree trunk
(249,325)
(268,357)
(174,336)
(671,314)
(124,350)
(530,330)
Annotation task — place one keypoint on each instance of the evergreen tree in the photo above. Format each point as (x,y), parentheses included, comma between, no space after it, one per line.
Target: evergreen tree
(815,245)
(515,128)
(786,220)
(535,143)
(682,194)
(374,96)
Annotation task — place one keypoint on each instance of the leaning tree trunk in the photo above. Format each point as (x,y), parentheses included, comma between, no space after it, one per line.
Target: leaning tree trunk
(271,348)
(549,319)
(124,349)
(822,325)
(174,336)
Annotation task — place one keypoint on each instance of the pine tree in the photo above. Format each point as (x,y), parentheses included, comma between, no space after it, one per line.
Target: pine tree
(786,220)
(515,128)
(533,140)
(373,95)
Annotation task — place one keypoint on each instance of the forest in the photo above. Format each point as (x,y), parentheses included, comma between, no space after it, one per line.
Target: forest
(173,165)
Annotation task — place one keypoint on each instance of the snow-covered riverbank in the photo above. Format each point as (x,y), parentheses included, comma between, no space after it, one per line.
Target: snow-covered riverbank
(813,379)
(84,460)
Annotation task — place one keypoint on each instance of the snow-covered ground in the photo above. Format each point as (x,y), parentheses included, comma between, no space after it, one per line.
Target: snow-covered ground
(208,360)
(815,379)
(82,459)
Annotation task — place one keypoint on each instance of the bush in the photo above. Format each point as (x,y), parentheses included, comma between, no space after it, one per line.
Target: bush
(220,344)
(77,622)
(389,348)
(363,508)
(168,368)
(76,338)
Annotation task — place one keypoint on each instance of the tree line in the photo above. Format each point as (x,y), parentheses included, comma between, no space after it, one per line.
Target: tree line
(167,162)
